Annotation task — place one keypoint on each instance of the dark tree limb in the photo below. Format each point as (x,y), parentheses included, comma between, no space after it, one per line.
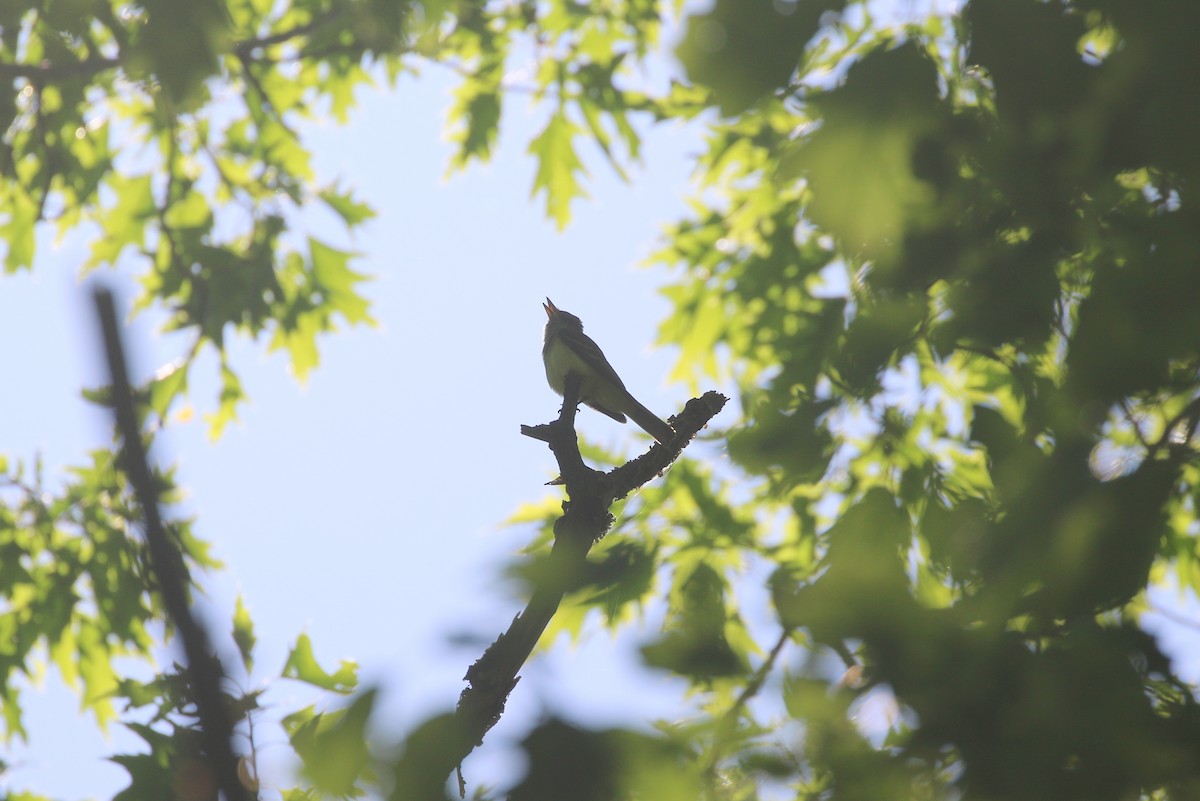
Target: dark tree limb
(585,520)
(250,48)
(203,668)
(53,71)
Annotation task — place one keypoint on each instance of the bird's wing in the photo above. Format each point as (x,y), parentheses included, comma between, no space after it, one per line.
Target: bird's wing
(620,418)
(593,357)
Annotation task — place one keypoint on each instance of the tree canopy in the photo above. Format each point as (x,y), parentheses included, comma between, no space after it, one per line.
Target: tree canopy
(948,266)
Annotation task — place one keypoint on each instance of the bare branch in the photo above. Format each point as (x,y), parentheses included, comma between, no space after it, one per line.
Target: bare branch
(585,520)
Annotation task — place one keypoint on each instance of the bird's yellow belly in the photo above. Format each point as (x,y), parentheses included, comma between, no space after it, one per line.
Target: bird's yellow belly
(560,360)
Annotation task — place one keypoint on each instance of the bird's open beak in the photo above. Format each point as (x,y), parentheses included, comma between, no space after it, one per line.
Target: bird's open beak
(551,309)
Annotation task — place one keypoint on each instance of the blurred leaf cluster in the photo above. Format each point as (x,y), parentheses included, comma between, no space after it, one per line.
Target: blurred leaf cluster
(948,262)
(949,265)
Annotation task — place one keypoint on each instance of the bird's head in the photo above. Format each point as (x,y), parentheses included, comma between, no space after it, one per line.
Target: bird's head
(559,318)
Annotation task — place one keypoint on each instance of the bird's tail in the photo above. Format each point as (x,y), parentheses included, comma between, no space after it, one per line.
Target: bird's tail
(648,421)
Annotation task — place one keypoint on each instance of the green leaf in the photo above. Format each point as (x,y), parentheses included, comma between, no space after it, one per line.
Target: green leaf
(862,161)
(300,341)
(192,211)
(569,762)
(696,642)
(123,224)
(474,119)
(591,115)
(179,46)
(795,441)
(302,665)
(558,166)
(169,383)
(96,669)
(17,232)
(421,770)
(243,633)
(336,282)
(352,212)
(231,396)
(10,707)
(742,49)
(333,747)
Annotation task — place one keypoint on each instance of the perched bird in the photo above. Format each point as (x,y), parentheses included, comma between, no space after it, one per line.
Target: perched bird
(567,349)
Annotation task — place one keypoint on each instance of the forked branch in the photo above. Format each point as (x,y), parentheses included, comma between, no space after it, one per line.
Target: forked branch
(585,520)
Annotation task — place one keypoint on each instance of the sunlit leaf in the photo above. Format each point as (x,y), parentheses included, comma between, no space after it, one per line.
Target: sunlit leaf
(302,665)
(558,167)
(19,213)
(243,633)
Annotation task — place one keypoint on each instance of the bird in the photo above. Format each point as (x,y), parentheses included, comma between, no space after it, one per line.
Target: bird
(566,349)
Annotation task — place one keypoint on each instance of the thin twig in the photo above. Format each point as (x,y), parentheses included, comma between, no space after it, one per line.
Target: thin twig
(1189,414)
(264,97)
(760,676)
(1127,412)
(246,47)
(728,722)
